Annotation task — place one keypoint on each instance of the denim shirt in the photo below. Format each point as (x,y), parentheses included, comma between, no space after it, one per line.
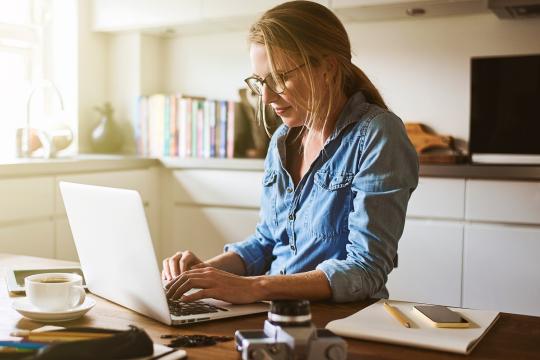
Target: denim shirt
(346,215)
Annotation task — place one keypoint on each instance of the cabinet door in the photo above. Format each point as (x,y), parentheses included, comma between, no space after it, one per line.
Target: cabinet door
(218,187)
(438,198)
(501,269)
(205,230)
(121,15)
(33,239)
(26,198)
(503,201)
(131,179)
(429,267)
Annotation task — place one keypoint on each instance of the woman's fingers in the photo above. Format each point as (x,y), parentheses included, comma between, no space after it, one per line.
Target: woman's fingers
(198,283)
(187,260)
(166,274)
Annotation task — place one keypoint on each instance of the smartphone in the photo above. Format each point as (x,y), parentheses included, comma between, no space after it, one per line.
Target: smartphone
(441,316)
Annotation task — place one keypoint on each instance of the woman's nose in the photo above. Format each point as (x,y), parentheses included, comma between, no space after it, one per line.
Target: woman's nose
(268,95)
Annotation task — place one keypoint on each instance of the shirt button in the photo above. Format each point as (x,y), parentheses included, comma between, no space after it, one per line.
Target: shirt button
(281,272)
(293,248)
(291,217)
(289,190)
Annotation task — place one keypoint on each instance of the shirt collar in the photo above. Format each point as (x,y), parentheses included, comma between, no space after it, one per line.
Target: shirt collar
(352,112)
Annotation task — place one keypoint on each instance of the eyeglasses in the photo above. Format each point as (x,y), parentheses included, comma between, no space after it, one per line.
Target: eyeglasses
(277,84)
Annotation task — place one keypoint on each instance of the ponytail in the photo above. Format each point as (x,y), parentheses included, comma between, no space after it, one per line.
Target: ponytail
(358,81)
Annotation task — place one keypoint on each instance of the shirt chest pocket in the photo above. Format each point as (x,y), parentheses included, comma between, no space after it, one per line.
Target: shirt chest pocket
(268,201)
(331,203)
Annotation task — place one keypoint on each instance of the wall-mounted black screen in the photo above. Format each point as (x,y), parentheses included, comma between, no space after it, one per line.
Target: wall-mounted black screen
(505,105)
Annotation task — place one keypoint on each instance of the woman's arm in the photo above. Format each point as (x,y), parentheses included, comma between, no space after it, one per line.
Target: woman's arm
(227,261)
(218,284)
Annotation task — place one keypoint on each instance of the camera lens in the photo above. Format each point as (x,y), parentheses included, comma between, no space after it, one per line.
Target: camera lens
(290,313)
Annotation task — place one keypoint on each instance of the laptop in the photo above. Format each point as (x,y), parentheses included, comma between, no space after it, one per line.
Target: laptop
(117,257)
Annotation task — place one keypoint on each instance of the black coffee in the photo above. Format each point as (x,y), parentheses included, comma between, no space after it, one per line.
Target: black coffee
(53,281)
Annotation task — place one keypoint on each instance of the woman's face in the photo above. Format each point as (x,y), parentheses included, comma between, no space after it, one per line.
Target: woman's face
(287,104)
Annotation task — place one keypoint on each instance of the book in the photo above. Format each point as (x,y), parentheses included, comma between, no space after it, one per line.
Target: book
(230,129)
(375,324)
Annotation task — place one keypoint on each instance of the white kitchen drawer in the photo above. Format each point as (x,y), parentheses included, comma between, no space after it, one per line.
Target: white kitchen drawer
(429,265)
(438,198)
(131,179)
(205,230)
(501,269)
(32,238)
(218,187)
(26,198)
(503,201)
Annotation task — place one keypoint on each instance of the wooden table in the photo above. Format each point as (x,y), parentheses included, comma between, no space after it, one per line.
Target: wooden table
(512,337)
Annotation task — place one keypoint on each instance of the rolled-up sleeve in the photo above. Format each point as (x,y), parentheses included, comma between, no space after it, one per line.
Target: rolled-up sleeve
(256,250)
(388,174)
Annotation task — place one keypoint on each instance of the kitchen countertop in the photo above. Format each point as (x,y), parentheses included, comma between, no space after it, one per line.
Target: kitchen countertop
(468,171)
(94,163)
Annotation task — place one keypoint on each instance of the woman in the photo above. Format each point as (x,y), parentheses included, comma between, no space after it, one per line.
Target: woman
(338,175)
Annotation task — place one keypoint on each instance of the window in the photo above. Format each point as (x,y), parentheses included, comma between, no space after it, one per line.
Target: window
(22,24)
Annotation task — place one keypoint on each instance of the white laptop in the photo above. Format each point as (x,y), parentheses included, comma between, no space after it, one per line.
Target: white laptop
(117,256)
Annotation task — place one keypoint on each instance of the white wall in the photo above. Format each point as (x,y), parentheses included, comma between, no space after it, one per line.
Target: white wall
(421,66)
(93,89)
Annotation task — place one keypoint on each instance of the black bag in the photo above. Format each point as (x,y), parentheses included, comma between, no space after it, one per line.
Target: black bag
(125,344)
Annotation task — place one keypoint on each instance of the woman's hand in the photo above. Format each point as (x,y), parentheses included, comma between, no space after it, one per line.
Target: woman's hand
(216,284)
(177,264)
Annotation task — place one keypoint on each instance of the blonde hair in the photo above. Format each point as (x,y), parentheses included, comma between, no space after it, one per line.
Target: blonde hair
(308,32)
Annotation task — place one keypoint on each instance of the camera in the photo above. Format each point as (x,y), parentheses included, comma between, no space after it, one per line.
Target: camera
(288,333)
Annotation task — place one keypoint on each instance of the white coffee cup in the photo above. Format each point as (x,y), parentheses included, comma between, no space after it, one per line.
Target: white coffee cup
(54,291)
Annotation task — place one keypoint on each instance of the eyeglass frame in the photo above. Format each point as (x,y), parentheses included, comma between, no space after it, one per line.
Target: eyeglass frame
(264,81)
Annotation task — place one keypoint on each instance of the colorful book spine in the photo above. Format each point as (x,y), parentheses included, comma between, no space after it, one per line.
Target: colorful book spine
(181,116)
(176,126)
(144,126)
(212,129)
(206,129)
(200,129)
(189,108)
(230,129)
(223,126)
(166,125)
(194,137)
(173,136)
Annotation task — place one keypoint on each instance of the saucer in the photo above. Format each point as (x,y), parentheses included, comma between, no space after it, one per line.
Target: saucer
(25,308)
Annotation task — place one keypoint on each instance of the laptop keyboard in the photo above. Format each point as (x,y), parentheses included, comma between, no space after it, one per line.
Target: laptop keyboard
(180,308)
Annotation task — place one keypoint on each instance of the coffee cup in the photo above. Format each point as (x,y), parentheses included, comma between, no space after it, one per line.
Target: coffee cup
(54,291)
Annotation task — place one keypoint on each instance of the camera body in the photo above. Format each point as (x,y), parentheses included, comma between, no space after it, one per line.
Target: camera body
(289,334)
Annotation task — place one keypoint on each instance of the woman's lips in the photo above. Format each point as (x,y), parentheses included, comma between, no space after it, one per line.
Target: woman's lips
(282,110)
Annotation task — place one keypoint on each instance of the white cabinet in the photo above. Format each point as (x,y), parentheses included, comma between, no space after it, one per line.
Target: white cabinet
(218,187)
(429,266)
(503,201)
(26,198)
(438,198)
(217,9)
(205,230)
(33,238)
(365,10)
(501,269)
(204,209)
(64,245)
(120,15)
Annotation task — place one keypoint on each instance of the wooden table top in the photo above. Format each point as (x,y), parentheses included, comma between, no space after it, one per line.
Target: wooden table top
(512,337)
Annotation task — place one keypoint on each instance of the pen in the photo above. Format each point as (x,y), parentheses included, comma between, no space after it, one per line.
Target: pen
(22,345)
(397,315)
(51,336)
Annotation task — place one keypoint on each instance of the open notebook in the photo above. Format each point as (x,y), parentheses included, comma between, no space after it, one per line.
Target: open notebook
(374,323)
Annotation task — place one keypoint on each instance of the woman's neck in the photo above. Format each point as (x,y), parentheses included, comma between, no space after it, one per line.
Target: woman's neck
(328,125)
